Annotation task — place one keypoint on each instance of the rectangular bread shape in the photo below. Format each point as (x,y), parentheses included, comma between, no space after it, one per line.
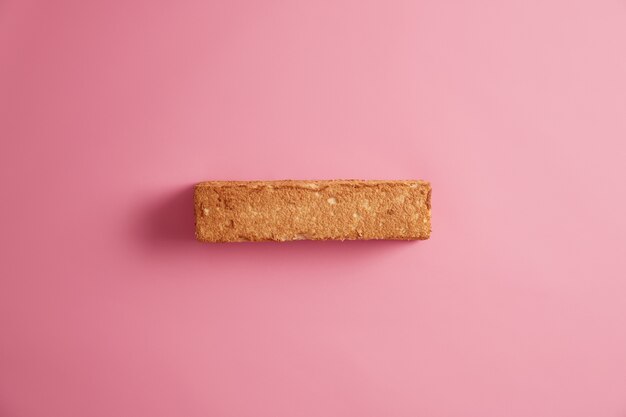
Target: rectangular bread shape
(254,211)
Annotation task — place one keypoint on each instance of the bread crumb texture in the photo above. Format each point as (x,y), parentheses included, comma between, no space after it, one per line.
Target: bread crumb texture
(240,211)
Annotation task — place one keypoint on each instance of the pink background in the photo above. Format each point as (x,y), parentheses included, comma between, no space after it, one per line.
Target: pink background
(514,110)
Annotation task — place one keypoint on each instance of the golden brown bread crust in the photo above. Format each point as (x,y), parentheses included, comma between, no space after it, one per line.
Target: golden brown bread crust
(239,211)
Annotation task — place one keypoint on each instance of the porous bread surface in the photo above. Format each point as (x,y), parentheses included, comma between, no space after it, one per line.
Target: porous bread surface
(238,211)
